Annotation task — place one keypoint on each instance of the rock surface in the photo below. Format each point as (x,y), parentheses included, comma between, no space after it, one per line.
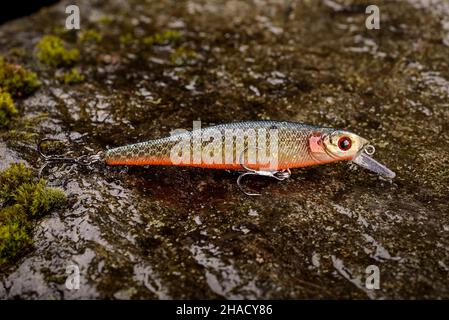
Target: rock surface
(162,232)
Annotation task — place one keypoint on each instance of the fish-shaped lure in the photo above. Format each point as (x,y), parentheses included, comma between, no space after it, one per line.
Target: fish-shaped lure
(269,148)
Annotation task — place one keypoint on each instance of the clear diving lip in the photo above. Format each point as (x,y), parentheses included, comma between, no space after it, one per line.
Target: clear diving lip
(369,163)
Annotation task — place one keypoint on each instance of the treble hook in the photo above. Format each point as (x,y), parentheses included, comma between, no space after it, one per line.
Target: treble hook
(276,174)
(84,160)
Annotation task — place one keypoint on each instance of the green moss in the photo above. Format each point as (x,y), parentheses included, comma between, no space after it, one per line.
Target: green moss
(126,38)
(51,51)
(11,214)
(90,35)
(182,56)
(105,20)
(22,130)
(17,52)
(53,146)
(162,38)
(23,199)
(16,80)
(14,238)
(36,200)
(11,179)
(7,109)
(60,31)
(71,77)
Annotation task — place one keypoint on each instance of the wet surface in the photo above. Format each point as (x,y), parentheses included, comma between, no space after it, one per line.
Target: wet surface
(159,232)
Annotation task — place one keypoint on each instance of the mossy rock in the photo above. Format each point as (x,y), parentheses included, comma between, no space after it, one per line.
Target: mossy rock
(12,178)
(126,39)
(16,80)
(70,77)
(162,38)
(14,238)
(7,109)
(22,200)
(183,56)
(90,35)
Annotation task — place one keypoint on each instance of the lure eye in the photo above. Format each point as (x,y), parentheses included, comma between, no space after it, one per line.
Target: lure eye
(344,143)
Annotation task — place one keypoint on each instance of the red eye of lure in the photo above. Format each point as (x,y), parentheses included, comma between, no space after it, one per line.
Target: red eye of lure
(344,143)
(267,148)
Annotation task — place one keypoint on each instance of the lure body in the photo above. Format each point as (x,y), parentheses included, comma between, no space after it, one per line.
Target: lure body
(270,145)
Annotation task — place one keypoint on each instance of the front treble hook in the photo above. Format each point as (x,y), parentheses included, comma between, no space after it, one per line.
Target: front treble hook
(276,174)
(84,160)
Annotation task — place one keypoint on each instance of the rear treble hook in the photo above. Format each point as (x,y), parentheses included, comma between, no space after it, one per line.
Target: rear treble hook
(276,174)
(84,160)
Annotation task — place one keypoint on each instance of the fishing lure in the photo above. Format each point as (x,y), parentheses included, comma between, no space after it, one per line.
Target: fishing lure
(262,148)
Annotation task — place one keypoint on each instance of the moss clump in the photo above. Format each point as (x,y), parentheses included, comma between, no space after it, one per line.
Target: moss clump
(105,20)
(16,80)
(162,38)
(51,51)
(17,52)
(22,129)
(11,179)
(14,237)
(126,38)
(90,35)
(182,56)
(71,77)
(36,199)
(53,146)
(23,199)
(60,31)
(7,109)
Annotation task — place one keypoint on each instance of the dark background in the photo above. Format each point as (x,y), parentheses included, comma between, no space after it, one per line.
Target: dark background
(18,8)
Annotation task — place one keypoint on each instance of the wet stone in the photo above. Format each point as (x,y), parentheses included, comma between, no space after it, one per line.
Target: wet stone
(164,232)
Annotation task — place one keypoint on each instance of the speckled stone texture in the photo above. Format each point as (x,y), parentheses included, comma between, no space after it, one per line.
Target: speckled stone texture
(163,232)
